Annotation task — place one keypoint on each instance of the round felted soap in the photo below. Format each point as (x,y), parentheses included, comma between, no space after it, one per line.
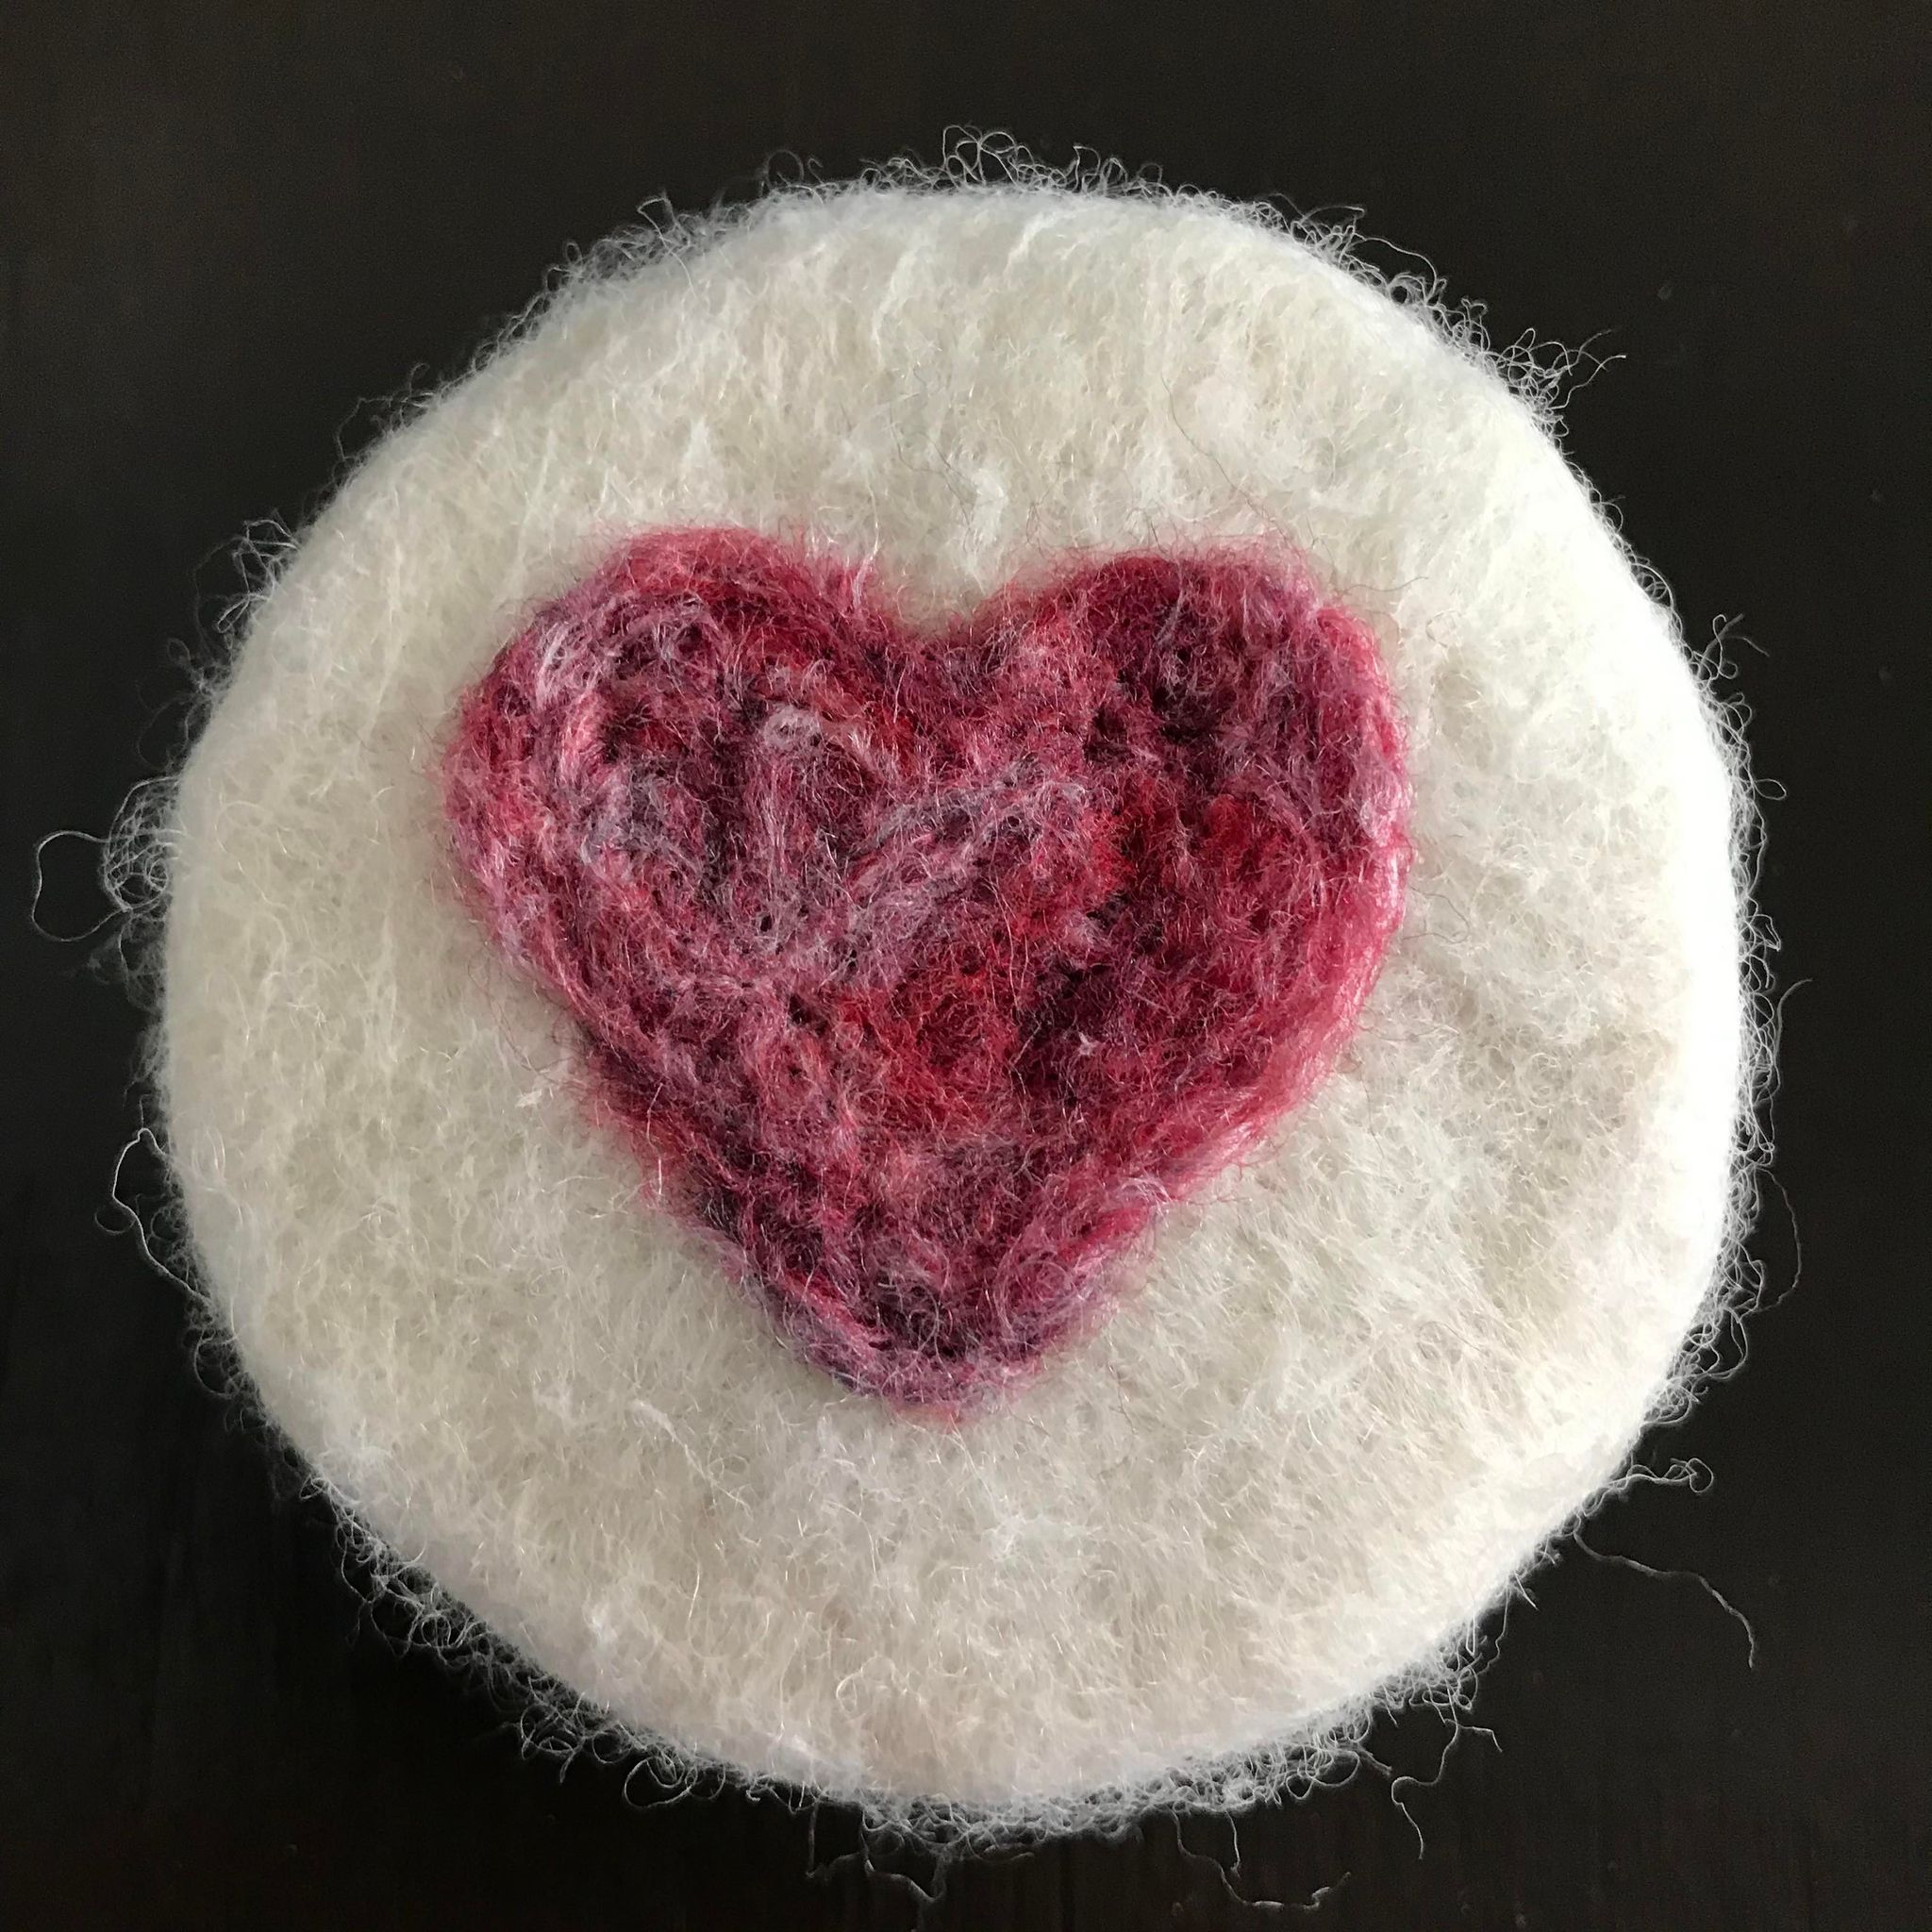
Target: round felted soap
(957,994)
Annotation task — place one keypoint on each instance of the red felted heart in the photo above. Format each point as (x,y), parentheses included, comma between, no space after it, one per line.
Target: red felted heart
(928,968)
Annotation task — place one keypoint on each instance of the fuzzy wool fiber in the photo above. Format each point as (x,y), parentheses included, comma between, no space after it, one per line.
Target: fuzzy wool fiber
(935,968)
(1353,1382)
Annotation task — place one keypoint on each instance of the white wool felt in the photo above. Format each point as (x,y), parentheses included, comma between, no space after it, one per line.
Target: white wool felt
(1358,1383)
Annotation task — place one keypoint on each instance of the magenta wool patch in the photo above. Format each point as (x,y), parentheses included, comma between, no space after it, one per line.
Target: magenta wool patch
(928,968)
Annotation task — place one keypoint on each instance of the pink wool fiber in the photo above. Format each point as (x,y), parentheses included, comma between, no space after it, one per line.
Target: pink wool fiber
(928,968)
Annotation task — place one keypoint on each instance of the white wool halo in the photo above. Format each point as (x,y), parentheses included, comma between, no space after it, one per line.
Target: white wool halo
(1356,1384)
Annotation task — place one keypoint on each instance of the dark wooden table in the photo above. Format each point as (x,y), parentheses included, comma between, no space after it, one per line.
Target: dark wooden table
(222,224)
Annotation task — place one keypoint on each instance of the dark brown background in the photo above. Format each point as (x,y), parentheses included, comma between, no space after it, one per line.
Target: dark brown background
(222,225)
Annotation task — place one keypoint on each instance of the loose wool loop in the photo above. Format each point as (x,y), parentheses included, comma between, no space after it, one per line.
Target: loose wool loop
(936,967)
(841,803)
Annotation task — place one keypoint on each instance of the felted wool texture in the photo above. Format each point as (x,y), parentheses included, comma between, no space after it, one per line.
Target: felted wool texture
(927,969)
(1357,1380)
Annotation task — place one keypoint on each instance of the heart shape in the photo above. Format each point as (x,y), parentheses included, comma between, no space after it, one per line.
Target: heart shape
(928,967)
